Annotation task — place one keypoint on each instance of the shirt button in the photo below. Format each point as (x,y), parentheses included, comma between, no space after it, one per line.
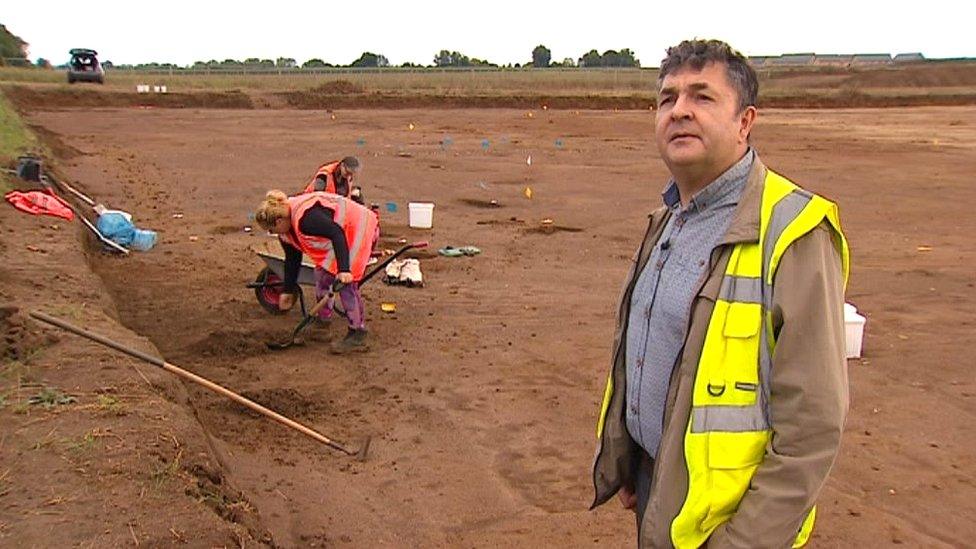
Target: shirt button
(640,362)
(659,264)
(633,409)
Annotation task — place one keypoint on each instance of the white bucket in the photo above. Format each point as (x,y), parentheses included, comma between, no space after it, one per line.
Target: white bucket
(853,331)
(421,215)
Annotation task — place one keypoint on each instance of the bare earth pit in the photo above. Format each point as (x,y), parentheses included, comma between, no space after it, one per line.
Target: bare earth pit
(481,393)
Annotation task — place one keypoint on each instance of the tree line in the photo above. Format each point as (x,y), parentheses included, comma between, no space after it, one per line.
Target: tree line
(13,51)
(541,58)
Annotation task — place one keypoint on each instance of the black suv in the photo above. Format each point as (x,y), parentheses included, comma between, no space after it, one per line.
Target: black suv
(84,67)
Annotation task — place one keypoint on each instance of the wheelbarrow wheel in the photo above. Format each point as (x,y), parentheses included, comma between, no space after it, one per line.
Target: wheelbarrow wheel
(268,296)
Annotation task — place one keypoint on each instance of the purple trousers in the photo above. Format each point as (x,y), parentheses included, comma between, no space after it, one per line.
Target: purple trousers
(352,300)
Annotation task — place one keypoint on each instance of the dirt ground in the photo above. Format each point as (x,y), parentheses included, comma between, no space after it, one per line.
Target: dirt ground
(481,392)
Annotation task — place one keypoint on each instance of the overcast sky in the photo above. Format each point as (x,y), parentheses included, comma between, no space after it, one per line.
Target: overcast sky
(501,31)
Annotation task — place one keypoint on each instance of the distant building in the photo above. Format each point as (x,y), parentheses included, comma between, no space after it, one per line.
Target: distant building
(833,60)
(795,59)
(760,60)
(907,57)
(871,59)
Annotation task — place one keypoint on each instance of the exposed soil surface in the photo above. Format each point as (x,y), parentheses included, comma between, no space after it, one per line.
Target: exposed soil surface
(481,392)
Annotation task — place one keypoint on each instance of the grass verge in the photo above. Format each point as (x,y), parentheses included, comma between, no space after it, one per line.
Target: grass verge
(15,140)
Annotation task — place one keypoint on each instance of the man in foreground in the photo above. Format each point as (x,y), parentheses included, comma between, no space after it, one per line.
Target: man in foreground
(728,389)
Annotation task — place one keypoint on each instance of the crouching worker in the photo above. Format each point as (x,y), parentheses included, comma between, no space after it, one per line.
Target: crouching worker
(337,178)
(337,234)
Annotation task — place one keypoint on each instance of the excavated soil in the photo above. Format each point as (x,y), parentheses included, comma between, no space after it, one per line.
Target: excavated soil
(481,393)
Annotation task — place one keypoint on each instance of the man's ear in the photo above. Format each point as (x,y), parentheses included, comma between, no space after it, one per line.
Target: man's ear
(746,121)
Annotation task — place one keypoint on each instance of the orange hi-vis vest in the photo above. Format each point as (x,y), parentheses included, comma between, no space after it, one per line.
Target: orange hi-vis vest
(358,223)
(328,172)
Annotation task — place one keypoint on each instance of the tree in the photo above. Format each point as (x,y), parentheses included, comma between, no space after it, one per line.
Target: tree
(568,62)
(369,59)
(627,58)
(591,59)
(285,63)
(314,63)
(455,59)
(623,58)
(610,58)
(262,63)
(449,59)
(11,46)
(45,64)
(541,57)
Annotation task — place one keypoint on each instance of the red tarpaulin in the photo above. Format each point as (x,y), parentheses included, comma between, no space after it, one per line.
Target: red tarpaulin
(39,203)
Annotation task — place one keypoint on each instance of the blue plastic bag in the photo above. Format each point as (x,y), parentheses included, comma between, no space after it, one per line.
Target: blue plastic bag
(143,240)
(118,228)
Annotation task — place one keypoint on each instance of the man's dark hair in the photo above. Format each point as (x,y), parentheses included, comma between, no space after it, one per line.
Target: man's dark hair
(350,162)
(698,53)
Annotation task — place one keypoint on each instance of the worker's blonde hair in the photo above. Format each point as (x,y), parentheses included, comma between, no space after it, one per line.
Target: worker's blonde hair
(273,208)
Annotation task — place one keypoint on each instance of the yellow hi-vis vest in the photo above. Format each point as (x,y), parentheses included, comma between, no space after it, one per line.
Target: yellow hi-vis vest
(729,426)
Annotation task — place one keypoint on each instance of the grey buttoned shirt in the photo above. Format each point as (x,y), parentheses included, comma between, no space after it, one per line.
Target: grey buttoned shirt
(661,302)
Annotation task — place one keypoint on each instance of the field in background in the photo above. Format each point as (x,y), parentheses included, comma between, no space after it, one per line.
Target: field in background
(935,79)
(574,82)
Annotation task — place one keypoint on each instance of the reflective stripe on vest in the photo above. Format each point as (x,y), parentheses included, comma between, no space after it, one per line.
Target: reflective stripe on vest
(729,426)
(328,172)
(358,224)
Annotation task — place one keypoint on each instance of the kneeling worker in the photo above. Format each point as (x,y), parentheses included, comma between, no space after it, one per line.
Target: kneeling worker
(336,178)
(337,234)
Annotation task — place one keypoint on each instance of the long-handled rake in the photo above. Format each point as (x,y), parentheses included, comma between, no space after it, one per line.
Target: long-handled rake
(156,361)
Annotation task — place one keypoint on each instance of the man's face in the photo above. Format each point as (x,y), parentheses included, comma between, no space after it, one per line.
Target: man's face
(698,126)
(346,173)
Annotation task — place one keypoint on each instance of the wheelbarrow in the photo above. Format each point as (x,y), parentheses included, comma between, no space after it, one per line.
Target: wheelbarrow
(269,284)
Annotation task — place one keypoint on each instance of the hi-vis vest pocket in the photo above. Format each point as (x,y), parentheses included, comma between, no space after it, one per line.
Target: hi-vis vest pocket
(742,320)
(733,368)
(736,450)
(732,460)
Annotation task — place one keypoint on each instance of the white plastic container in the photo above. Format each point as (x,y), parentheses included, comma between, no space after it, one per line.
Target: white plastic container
(421,215)
(853,330)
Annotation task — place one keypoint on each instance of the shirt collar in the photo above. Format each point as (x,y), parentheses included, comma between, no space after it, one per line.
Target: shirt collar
(724,190)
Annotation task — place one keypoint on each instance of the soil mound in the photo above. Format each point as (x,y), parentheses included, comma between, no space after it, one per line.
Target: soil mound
(30,97)
(338,87)
(939,75)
